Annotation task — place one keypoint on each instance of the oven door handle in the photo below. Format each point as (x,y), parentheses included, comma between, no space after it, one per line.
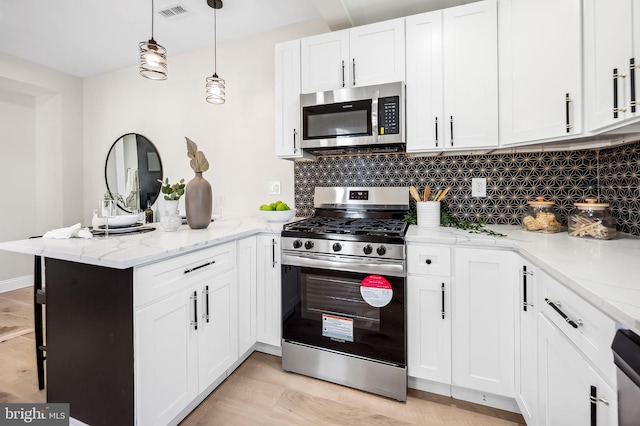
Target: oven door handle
(393,268)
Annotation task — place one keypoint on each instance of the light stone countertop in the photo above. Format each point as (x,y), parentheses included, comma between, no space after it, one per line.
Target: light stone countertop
(603,272)
(125,251)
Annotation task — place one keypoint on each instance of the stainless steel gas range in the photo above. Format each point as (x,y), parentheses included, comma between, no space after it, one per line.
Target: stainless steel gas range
(343,290)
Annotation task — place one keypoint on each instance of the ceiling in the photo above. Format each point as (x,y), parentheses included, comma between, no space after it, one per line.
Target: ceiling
(89,37)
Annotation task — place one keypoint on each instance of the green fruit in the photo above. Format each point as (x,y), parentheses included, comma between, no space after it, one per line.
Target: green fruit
(273,206)
(265,207)
(282,206)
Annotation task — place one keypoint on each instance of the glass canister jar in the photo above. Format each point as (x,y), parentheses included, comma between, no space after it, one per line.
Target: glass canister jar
(592,220)
(541,216)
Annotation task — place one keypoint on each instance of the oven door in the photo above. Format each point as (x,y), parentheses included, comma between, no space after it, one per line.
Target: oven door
(357,307)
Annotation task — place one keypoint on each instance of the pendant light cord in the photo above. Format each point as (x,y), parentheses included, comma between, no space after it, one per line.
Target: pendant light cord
(152,13)
(215,42)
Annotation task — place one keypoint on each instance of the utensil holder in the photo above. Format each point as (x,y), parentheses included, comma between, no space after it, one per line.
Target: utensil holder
(428,214)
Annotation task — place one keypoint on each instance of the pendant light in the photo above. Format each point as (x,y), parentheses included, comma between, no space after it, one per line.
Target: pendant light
(153,57)
(215,85)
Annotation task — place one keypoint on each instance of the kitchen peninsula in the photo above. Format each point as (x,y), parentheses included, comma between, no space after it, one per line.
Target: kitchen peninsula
(140,328)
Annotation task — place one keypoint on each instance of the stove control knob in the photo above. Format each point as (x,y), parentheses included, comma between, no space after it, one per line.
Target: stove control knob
(337,247)
(297,244)
(308,244)
(381,250)
(367,249)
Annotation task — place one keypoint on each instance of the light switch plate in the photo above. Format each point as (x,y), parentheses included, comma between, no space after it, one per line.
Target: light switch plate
(478,187)
(274,187)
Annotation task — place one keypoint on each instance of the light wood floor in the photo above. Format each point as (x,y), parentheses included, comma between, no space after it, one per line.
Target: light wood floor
(259,392)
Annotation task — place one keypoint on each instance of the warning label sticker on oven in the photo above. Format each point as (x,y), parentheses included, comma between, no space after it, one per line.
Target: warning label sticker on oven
(376,291)
(337,328)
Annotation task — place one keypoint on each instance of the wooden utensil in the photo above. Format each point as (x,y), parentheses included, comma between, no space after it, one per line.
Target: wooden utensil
(414,193)
(427,193)
(435,197)
(441,196)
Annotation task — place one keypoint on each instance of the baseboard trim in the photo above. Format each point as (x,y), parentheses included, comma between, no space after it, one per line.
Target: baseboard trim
(485,398)
(268,349)
(429,386)
(16,283)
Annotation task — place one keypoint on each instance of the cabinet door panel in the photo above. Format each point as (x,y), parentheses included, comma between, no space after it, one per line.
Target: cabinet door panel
(483,323)
(247,287)
(218,336)
(471,75)
(536,73)
(378,53)
(608,45)
(565,380)
(288,100)
(269,291)
(425,118)
(325,62)
(429,328)
(166,358)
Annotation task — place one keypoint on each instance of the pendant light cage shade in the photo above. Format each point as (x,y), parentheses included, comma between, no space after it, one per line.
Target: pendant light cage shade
(215,90)
(153,60)
(153,57)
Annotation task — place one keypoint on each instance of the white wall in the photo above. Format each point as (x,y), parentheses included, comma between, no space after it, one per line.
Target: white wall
(237,137)
(40,154)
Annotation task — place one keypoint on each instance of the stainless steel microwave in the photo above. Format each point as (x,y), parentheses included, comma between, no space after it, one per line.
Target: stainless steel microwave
(359,117)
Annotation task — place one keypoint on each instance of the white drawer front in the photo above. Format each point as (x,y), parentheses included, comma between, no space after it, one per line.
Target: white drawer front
(160,279)
(595,330)
(426,259)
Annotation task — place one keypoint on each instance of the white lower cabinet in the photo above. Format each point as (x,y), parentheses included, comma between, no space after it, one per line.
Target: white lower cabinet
(429,330)
(571,392)
(247,294)
(483,321)
(526,343)
(184,341)
(268,290)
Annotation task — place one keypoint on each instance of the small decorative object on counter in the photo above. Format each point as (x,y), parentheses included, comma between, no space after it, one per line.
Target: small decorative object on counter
(592,220)
(541,217)
(170,220)
(198,200)
(148,213)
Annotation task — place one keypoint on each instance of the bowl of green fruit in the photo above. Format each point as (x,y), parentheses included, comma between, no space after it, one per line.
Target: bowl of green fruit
(276,212)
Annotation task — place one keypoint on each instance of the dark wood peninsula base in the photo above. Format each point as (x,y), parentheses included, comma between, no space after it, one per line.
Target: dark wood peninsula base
(89,339)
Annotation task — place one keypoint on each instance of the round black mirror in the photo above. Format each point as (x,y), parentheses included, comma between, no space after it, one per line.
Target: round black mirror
(131,172)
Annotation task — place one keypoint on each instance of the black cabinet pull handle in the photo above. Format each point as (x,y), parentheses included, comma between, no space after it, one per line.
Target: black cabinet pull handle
(186,271)
(442,291)
(273,253)
(354,72)
(294,141)
(194,323)
(205,292)
(616,110)
(567,101)
(428,261)
(451,125)
(436,131)
(564,316)
(524,288)
(593,402)
(342,73)
(632,72)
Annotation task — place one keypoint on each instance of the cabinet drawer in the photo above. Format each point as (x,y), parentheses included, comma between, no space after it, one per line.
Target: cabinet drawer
(593,331)
(157,280)
(427,259)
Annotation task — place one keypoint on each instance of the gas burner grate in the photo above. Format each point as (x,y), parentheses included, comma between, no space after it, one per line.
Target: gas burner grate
(349,226)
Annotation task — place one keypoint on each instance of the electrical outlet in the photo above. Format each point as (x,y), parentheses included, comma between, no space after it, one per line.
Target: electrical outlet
(274,187)
(478,187)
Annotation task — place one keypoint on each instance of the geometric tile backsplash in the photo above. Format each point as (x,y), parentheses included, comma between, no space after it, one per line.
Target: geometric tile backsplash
(565,177)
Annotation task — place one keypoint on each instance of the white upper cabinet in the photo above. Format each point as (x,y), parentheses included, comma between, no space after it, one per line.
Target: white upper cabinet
(425,114)
(288,100)
(609,52)
(452,78)
(471,75)
(540,44)
(362,56)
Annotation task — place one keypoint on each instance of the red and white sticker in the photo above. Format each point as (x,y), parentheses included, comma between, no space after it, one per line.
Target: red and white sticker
(376,290)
